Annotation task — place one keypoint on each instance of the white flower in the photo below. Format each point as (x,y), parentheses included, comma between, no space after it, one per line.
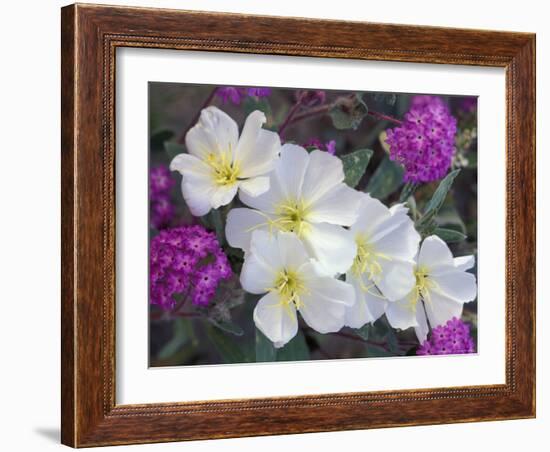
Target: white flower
(279,265)
(307,196)
(219,162)
(442,287)
(383,269)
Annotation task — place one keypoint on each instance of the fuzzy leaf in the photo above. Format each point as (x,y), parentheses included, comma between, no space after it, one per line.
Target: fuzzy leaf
(386,179)
(440,194)
(355,165)
(348,112)
(449,235)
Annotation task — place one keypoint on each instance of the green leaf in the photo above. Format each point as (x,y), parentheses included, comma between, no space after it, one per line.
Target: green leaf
(407,190)
(172,149)
(253,103)
(179,337)
(355,165)
(215,219)
(295,350)
(227,326)
(386,179)
(449,235)
(387,98)
(440,194)
(427,224)
(158,138)
(348,112)
(265,351)
(363,332)
(226,347)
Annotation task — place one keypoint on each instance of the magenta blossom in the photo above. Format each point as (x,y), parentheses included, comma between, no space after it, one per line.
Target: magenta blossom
(425,143)
(160,205)
(453,338)
(316,143)
(188,261)
(235,94)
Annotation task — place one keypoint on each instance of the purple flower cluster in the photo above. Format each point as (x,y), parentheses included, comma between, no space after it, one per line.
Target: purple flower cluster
(450,339)
(160,184)
(316,143)
(186,260)
(236,95)
(425,143)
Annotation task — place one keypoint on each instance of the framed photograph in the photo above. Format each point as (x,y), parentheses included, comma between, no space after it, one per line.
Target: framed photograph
(266,231)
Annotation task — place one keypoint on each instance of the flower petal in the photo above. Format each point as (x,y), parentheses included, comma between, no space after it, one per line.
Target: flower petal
(397,278)
(257,276)
(214,133)
(223,195)
(371,213)
(258,149)
(265,246)
(324,307)
(460,286)
(190,166)
(464,263)
(369,304)
(435,254)
(268,201)
(338,206)
(333,246)
(255,186)
(401,314)
(400,242)
(240,224)
(422,329)
(292,251)
(276,320)
(441,308)
(324,173)
(197,195)
(290,170)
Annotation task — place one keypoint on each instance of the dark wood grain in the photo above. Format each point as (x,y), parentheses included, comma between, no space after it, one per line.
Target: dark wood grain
(90,36)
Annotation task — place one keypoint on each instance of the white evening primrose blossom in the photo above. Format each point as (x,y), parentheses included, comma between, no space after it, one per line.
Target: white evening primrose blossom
(307,196)
(442,287)
(383,269)
(279,266)
(219,162)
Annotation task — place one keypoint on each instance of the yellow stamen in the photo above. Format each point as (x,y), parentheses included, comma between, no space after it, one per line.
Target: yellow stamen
(424,284)
(290,216)
(290,288)
(225,171)
(367,259)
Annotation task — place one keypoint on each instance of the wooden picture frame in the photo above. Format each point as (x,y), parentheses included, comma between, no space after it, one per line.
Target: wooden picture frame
(90,36)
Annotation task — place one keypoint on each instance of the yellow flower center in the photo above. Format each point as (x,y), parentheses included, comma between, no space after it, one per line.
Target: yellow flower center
(367,259)
(292,217)
(422,288)
(290,287)
(225,171)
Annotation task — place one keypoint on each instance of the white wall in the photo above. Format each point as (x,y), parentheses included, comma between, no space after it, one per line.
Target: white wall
(29,255)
